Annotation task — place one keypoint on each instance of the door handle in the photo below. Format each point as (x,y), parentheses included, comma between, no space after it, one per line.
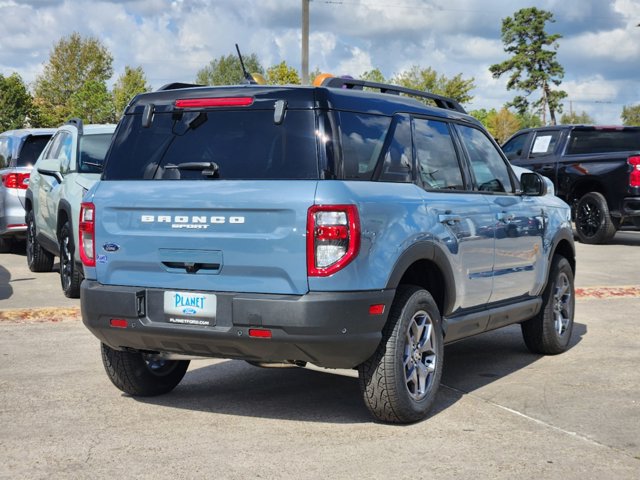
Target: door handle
(449,219)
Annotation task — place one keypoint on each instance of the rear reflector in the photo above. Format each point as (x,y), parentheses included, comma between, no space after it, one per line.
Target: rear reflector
(376,309)
(634,176)
(214,102)
(259,333)
(16,225)
(118,323)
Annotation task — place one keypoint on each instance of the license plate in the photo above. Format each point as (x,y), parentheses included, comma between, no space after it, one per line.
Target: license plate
(190,308)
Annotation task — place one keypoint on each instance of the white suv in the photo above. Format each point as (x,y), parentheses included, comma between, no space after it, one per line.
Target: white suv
(68,166)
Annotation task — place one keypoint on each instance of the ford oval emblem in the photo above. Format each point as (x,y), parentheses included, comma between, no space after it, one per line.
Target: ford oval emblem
(189,311)
(111,247)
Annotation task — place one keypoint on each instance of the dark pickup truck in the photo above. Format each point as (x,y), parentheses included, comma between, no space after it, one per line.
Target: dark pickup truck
(594,169)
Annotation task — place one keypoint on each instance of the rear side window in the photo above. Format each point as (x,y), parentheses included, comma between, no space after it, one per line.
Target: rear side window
(31,149)
(93,149)
(398,157)
(584,142)
(544,143)
(242,145)
(362,138)
(437,159)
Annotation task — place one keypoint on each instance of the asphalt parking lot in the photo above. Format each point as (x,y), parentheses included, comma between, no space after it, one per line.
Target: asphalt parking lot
(501,412)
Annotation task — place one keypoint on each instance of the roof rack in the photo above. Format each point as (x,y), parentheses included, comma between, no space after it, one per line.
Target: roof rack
(352,84)
(76,122)
(177,85)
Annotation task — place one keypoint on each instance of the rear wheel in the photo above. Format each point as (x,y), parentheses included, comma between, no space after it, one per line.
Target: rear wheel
(70,277)
(549,332)
(593,221)
(38,259)
(400,380)
(142,375)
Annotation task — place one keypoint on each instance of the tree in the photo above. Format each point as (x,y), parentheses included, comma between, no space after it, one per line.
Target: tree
(532,66)
(427,79)
(529,119)
(631,114)
(132,82)
(227,70)
(73,62)
(502,124)
(92,103)
(574,118)
(374,75)
(482,114)
(282,74)
(16,104)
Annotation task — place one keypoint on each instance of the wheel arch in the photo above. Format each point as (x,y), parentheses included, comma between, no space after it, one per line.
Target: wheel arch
(584,186)
(563,244)
(426,265)
(64,215)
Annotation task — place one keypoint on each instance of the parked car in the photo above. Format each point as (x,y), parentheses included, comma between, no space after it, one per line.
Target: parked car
(331,225)
(69,165)
(595,169)
(19,150)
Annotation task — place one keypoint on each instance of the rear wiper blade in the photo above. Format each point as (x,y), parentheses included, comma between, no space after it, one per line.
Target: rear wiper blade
(209,169)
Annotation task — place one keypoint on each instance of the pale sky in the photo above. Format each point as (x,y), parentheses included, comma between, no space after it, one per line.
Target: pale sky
(173,39)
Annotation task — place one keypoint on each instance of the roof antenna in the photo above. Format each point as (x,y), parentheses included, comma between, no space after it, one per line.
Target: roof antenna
(248,79)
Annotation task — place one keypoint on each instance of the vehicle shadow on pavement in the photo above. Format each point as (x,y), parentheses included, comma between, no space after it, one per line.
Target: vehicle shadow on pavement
(236,388)
(626,237)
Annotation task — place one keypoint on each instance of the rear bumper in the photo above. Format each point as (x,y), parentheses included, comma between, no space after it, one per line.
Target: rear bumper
(12,222)
(329,329)
(631,207)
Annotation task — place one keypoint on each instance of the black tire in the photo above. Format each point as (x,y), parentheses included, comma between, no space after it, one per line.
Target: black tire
(38,259)
(400,380)
(593,221)
(70,277)
(549,332)
(139,375)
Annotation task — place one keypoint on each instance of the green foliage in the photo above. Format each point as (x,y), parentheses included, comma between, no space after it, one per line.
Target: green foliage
(577,118)
(631,115)
(132,82)
(532,67)
(427,79)
(92,103)
(73,63)
(282,74)
(16,104)
(374,75)
(483,114)
(502,124)
(227,70)
(529,120)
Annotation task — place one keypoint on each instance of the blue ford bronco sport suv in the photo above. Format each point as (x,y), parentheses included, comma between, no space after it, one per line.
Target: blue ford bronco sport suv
(344,226)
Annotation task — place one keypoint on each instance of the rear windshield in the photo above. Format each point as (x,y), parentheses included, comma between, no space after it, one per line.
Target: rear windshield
(226,145)
(93,149)
(603,141)
(31,149)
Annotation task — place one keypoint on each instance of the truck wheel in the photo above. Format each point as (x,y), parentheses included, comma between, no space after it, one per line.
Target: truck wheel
(38,259)
(593,222)
(400,380)
(70,277)
(549,332)
(139,375)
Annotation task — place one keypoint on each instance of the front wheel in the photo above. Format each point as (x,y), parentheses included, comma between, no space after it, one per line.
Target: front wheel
(549,332)
(400,380)
(70,277)
(141,375)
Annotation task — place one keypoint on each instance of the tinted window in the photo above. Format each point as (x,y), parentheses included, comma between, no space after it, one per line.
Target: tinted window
(437,159)
(362,138)
(242,144)
(31,149)
(4,152)
(64,153)
(513,148)
(93,148)
(544,143)
(603,141)
(490,170)
(397,166)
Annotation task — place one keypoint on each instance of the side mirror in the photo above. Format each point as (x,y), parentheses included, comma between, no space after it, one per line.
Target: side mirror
(533,184)
(51,167)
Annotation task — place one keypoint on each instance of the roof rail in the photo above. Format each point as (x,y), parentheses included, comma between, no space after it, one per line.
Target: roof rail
(76,122)
(177,85)
(352,84)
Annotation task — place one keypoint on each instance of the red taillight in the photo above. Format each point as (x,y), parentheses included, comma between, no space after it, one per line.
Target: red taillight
(118,323)
(87,234)
(259,333)
(634,176)
(377,309)
(214,102)
(16,180)
(333,238)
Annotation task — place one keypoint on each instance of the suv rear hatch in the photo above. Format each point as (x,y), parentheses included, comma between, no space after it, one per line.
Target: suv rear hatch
(199,196)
